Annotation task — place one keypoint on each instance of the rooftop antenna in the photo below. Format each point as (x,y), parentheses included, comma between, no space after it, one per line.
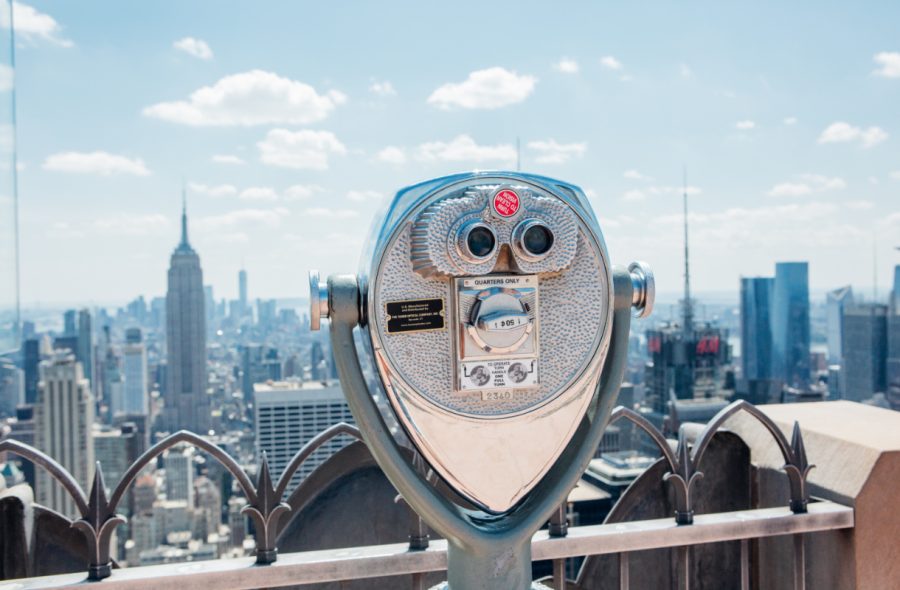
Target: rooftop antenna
(518,155)
(184,234)
(688,307)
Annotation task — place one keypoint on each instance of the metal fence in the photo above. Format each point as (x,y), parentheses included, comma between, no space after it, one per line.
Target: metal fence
(99,518)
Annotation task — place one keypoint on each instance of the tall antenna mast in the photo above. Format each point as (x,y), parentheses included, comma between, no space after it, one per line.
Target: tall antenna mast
(14,169)
(688,306)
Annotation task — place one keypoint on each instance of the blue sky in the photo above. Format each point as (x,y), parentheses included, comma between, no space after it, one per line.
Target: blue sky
(290,121)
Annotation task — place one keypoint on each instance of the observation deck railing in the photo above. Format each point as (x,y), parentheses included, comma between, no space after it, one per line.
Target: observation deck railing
(99,518)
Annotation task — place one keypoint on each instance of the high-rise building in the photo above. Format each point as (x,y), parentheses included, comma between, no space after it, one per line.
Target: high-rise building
(756,327)
(790,325)
(266,313)
(114,450)
(134,356)
(179,466)
(865,351)
(64,417)
(893,358)
(289,414)
(69,323)
(84,353)
(835,303)
(31,358)
(895,292)
(207,507)
(186,400)
(259,363)
(242,291)
(12,387)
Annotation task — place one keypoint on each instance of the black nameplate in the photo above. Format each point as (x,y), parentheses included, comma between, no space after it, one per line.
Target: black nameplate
(417,315)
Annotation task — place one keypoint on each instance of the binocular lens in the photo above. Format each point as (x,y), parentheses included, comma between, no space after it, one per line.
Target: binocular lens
(537,240)
(481,241)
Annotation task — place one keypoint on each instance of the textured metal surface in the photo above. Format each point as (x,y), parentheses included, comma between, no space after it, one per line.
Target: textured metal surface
(353,563)
(415,258)
(572,331)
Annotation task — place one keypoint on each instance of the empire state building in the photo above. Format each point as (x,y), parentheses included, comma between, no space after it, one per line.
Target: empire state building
(186,400)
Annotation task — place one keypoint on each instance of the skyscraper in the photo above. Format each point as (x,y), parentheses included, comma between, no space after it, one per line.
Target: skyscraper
(242,290)
(186,401)
(865,351)
(179,465)
(12,383)
(756,327)
(135,367)
(289,414)
(790,326)
(63,423)
(31,358)
(85,347)
(895,292)
(835,303)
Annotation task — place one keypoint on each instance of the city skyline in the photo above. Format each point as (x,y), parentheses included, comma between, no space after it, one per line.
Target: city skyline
(790,146)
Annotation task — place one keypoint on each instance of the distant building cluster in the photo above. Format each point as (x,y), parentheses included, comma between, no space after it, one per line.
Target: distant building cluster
(104,385)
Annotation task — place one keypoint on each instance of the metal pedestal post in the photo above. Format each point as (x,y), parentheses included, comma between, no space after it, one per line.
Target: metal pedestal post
(502,565)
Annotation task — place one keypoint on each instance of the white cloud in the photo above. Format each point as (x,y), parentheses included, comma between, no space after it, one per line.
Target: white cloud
(745,125)
(860,205)
(220,190)
(384,88)
(492,88)
(305,149)
(64,230)
(551,152)
(326,213)
(889,63)
(250,98)
(227,159)
(895,175)
(242,217)
(102,163)
(807,184)
(259,193)
(633,195)
(195,47)
(299,192)
(685,71)
(873,180)
(610,63)
(844,132)
(364,196)
(635,175)
(790,120)
(132,225)
(391,155)
(464,149)
(33,26)
(566,66)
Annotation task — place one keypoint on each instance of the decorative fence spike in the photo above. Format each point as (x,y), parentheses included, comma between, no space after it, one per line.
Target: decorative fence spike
(265,512)
(98,525)
(797,469)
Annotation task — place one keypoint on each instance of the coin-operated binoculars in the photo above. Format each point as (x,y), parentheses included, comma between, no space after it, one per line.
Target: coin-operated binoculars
(491,320)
